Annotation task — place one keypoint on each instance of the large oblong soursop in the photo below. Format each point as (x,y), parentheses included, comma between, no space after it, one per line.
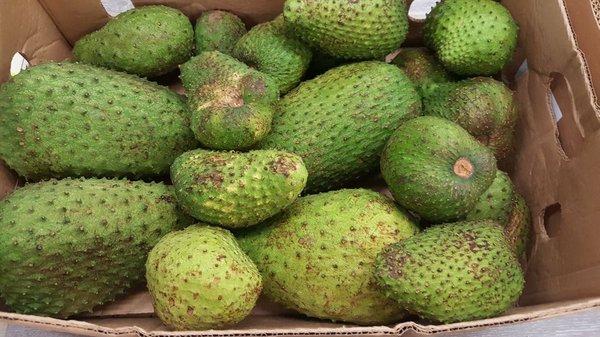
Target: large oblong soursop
(68,119)
(317,257)
(67,246)
(340,121)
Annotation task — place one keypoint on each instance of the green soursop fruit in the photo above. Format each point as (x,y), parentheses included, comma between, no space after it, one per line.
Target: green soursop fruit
(435,168)
(147,41)
(68,119)
(502,203)
(339,122)
(67,246)
(200,279)
(422,67)
(484,107)
(349,29)
(231,103)
(237,189)
(218,30)
(269,49)
(452,273)
(317,257)
(471,37)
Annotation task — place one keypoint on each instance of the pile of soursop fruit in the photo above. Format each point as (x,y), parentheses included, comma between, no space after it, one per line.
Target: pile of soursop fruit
(254,182)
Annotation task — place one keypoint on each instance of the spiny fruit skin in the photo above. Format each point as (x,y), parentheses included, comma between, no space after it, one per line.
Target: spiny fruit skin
(452,273)
(237,189)
(503,204)
(218,30)
(231,103)
(339,122)
(269,49)
(436,169)
(67,246)
(69,119)
(484,107)
(200,279)
(317,257)
(360,29)
(421,67)
(471,37)
(147,41)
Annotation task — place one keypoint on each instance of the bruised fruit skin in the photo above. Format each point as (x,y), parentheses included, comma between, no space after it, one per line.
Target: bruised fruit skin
(68,119)
(237,189)
(421,67)
(200,279)
(147,41)
(269,49)
(317,257)
(452,273)
(436,169)
(67,246)
(340,121)
(218,30)
(484,107)
(471,37)
(349,29)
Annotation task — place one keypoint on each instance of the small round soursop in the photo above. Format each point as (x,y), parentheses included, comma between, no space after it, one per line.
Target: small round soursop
(421,67)
(218,30)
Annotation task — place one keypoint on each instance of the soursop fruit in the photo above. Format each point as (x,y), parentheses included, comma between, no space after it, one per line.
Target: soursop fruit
(502,203)
(421,67)
(200,279)
(435,168)
(67,246)
(452,273)
(147,41)
(349,29)
(231,103)
(68,119)
(471,37)
(218,30)
(340,121)
(484,107)
(269,49)
(237,189)
(317,257)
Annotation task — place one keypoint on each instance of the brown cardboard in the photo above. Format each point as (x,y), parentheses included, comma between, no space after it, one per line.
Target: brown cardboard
(556,163)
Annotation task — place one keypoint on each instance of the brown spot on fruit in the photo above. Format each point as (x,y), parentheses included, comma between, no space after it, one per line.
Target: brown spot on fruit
(464,168)
(283,165)
(214,178)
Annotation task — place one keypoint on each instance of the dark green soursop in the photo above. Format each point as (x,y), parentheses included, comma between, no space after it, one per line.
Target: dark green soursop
(218,30)
(422,67)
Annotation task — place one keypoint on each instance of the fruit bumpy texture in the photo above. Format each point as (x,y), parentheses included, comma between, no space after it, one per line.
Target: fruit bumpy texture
(502,203)
(421,67)
(231,103)
(237,189)
(147,41)
(361,29)
(339,122)
(436,169)
(269,49)
(67,246)
(218,30)
(69,119)
(200,279)
(452,273)
(317,257)
(484,107)
(471,37)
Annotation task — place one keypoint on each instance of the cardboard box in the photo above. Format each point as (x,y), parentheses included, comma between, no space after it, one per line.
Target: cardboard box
(556,167)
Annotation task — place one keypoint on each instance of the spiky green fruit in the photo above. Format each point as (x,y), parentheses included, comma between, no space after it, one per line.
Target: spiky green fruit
(502,203)
(436,169)
(200,279)
(231,103)
(147,41)
(471,37)
(317,257)
(218,30)
(269,49)
(237,189)
(69,119)
(452,273)
(421,67)
(339,122)
(349,29)
(67,246)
